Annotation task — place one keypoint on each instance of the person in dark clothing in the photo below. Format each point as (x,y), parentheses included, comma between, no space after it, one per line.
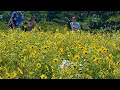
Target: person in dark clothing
(31,24)
(16,20)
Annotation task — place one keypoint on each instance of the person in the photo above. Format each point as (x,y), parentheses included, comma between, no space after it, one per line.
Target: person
(31,24)
(74,24)
(16,19)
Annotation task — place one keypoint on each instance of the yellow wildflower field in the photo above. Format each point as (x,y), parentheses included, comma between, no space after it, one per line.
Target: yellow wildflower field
(59,55)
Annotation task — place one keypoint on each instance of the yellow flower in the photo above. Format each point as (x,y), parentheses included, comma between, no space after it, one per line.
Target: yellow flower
(96,47)
(32,47)
(24,50)
(102,48)
(107,58)
(38,65)
(71,47)
(85,52)
(49,42)
(103,76)
(22,65)
(114,71)
(13,74)
(4,36)
(0,77)
(24,59)
(100,51)
(107,50)
(55,44)
(95,58)
(43,76)
(81,47)
(117,63)
(106,72)
(53,76)
(65,28)
(34,29)
(5,69)
(31,73)
(110,56)
(20,41)
(5,48)
(47,68)
(32,54)
(45,47)
(73,66)
(61,50)
(7,75)
(75,57)
(55,61)
(20,71)
(69,54)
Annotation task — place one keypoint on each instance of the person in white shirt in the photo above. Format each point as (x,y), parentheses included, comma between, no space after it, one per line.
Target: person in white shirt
(74,24)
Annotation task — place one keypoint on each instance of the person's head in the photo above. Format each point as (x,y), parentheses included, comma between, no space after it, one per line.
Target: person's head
(74,19)
(33,18)
(18,11)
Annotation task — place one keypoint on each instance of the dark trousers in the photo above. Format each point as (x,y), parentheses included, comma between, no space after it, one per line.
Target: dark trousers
(11,26)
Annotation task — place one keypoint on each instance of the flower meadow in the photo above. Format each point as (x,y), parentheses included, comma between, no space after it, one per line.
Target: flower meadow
(59,55)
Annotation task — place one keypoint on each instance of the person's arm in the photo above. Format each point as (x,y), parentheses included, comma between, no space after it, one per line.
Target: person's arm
(79,26)
(29,25)
(12,18)
(12,22)
(71,25)
(34,23)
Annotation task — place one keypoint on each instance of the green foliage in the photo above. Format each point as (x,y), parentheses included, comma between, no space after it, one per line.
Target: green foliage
(87,19)
(115,18)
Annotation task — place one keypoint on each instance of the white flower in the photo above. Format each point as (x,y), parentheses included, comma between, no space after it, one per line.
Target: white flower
(80,65)
(64,64)
(80,69)
(84,60)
